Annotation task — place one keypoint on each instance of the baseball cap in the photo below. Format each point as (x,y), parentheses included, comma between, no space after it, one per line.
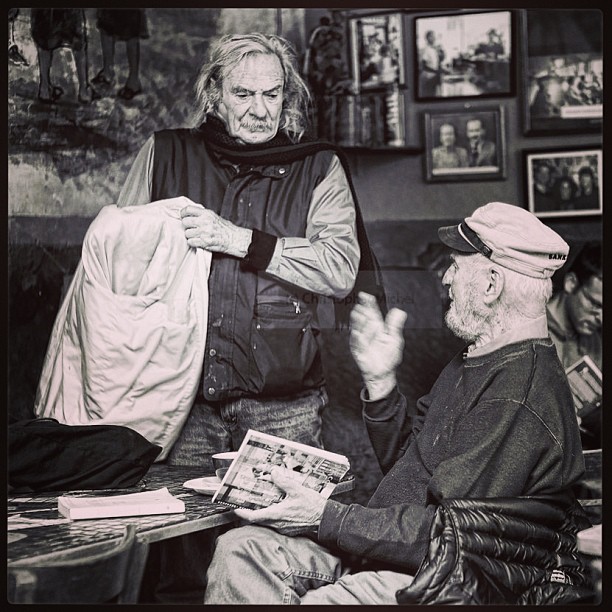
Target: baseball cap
(511,237)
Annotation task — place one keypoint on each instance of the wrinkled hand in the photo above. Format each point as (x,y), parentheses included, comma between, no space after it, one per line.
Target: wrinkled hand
(207,230)
(299,512)
(376,345)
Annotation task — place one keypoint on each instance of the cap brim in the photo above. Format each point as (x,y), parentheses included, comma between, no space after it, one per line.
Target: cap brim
(451,237)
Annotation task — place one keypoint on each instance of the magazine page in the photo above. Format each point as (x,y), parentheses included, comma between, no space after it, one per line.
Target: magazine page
(247,482)
(585,381)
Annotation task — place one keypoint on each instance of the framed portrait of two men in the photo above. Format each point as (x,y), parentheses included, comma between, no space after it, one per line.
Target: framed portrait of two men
(466,145)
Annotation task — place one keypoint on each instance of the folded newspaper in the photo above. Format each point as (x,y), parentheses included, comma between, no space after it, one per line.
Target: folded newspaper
(585,381)
(247,482)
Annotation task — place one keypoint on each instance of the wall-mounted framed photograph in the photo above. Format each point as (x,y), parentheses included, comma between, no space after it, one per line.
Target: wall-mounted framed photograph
(464,55)
(562,71)
(377,51)
(462,146)
(564,182)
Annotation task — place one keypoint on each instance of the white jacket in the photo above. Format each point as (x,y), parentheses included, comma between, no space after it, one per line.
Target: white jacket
(127,345)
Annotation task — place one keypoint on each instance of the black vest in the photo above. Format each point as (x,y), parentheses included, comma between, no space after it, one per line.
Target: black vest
(262,332)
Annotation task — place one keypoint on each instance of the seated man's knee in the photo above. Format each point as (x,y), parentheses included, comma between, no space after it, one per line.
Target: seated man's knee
(241,539)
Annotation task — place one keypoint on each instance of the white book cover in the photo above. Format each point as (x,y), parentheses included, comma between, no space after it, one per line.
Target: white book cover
(585,381)
(160,501)
(247,482)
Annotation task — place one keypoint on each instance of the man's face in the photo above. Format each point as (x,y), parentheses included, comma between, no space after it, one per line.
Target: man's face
(474,130)
(466,313)
(585,307)
(565,190)
(543,175)
(252,99)
(586,182)
(447,135)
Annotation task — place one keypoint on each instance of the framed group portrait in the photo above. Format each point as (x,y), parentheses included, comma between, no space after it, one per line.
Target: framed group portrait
(464,55)
(562,71)
(465,145)
(564,182)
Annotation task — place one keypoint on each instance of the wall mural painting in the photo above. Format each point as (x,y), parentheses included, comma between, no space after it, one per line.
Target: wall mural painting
(85,89)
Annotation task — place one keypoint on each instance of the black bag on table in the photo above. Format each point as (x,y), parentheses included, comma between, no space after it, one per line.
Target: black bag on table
(46,455)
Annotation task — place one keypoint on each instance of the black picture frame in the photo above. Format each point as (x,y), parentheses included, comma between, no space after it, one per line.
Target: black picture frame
(464,55)
(562,71)
(377,53)
(563,173)
(445,161)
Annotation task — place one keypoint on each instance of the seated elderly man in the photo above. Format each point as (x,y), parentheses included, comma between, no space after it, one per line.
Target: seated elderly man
(499,421)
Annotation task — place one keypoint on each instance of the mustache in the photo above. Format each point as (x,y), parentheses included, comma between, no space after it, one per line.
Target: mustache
(257,126)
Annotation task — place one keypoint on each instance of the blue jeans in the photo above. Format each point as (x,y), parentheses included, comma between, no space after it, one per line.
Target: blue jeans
(214,427)
(257,565)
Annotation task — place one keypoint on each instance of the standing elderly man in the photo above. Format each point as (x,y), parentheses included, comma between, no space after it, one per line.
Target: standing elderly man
(280,217)
(499,421)
(279,214)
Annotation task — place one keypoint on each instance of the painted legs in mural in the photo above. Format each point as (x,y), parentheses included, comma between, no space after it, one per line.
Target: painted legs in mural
(61,28)
(14,53)
(129,26)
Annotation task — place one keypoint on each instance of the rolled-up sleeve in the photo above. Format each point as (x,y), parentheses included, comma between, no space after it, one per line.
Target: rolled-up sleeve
(326,260)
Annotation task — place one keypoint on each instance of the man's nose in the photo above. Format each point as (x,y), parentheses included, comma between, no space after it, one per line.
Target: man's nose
(599,317)
(258,108)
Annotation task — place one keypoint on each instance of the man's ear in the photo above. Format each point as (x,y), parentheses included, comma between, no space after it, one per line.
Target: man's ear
(495,284)
(570,282)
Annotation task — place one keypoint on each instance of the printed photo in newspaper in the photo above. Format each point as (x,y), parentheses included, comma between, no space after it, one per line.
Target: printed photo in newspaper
(247,483)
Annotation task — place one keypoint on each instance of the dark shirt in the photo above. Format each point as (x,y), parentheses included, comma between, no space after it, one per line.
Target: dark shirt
(499,424)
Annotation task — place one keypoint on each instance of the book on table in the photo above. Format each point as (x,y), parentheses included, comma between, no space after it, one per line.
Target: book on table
(585,382)
(247,483)
(160,501)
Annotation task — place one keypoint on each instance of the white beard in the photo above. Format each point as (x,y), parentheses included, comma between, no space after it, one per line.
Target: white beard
(465,321)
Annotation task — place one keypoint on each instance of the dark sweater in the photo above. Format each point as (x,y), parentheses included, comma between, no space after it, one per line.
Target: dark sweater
(496,425)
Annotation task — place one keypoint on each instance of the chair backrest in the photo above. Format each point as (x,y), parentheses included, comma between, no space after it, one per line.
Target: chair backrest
(94,578)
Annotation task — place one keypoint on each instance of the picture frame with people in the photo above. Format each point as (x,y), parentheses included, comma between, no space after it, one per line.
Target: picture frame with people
(562,76)
(463,146)
(464,55)
(377,51)
(564,182)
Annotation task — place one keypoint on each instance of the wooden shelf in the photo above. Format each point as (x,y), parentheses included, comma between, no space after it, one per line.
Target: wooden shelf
(398,150)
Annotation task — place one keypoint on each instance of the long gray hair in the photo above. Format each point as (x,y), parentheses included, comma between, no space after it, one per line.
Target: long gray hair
(225,55)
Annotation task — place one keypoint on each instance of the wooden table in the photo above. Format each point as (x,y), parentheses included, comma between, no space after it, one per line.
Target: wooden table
(37,531)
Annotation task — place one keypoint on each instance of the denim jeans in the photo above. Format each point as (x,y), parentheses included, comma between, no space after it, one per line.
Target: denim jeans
(257,565)
(214,427)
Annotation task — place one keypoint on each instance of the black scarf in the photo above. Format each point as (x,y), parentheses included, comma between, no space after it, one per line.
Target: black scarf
(280,150)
